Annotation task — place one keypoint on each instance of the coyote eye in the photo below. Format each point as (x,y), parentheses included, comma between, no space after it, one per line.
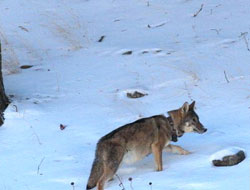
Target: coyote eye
(194,120)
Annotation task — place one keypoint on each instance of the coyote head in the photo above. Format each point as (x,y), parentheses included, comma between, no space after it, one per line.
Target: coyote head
(186,120)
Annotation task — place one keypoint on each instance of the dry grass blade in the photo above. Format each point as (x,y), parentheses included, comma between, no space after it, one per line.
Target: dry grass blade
(196,14)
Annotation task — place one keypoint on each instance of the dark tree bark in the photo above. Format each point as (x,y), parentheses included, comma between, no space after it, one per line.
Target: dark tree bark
(3,98)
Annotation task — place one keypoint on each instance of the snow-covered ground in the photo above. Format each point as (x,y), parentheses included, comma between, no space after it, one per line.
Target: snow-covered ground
(80,82)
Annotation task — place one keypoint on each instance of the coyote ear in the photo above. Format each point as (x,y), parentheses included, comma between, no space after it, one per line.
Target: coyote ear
(191,106)
(184,109)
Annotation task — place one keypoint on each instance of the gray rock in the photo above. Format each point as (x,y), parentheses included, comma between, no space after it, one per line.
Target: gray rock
(230,160)
(135,94)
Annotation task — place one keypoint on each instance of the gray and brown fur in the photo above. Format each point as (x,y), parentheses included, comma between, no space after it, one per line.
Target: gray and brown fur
(140,138)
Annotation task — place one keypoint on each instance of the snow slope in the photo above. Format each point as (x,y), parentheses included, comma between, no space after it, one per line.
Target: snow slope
(80,82)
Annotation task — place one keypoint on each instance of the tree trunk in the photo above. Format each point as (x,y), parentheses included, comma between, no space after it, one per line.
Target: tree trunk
(3,98)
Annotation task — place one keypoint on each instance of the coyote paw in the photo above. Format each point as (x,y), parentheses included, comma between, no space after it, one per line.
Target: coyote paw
(159,170)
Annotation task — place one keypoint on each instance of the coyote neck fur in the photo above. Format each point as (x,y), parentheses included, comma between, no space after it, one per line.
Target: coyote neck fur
(172,128)
(170,122)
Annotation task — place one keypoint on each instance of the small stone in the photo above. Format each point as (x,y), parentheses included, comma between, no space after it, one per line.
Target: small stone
(62,127)
(127,53)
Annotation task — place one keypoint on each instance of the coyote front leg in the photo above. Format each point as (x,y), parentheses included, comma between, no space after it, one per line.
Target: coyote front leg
(157,151)
(176,149)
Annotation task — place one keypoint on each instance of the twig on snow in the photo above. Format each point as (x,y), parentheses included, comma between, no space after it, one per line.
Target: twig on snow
(131,179)
(211,11)
(15,108)
(225,74)
(156,26)
(216,30)
(121,184)
(243,35)
(23,28)
(196,14)
(101,39)
(150,184)
(73,185)
(38,168)
(37,137)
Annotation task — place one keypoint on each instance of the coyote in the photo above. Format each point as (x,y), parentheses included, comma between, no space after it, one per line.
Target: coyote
(140,138)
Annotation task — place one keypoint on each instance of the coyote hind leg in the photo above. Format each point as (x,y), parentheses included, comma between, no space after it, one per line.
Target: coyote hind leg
(112,159)
(176,149)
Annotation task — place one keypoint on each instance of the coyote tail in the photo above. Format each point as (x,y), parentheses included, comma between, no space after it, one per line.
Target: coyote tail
(96,173)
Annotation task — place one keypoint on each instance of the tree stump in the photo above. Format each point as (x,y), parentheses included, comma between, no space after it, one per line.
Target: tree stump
(4,101)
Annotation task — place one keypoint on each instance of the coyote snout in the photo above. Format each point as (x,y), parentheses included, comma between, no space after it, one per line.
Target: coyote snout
(200,129)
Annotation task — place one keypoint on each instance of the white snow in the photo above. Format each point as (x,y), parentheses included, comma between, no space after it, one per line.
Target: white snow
(79,82)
